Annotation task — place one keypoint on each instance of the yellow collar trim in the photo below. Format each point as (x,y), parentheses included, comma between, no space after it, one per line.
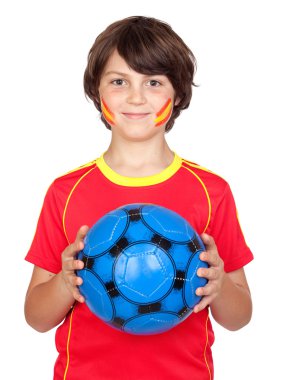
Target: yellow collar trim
(139,181)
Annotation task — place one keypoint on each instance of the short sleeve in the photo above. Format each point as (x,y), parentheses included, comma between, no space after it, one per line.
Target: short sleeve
(226,231)
(49,240)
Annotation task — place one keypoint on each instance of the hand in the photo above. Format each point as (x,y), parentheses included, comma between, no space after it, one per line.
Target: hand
(70,264)
(214,273)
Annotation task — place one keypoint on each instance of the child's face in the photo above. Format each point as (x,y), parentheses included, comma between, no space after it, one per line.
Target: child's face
(136,106)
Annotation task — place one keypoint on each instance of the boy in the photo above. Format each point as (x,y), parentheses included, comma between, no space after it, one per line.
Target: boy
(139,76)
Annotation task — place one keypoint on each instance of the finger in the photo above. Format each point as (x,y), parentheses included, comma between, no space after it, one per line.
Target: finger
(77,296)
(204,303)
(77,281)
(81,234)
(73,282)
(208,241)
(78,244)
(208,273)
(69,264)
(211,257)
(204,291)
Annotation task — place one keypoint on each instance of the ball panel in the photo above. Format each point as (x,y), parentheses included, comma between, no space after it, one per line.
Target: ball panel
(154,323)
(193,281)
(103,267)
(167,223)
(180,256)
(174,302)
(105,233)
(137,231)
(144,273)
(96,296)
(123,308)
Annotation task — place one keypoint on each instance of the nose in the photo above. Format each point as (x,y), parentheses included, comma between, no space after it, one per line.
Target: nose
(136,95)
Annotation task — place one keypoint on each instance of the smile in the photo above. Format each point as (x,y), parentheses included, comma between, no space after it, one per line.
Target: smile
(135,116)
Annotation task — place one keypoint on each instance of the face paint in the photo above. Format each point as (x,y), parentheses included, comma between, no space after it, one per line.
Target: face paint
(108,115)
(164,114)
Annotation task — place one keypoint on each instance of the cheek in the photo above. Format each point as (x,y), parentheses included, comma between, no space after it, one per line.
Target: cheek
(108,115)
(163,115)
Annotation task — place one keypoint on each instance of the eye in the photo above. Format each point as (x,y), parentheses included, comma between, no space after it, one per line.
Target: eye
(153,83)
(118,82)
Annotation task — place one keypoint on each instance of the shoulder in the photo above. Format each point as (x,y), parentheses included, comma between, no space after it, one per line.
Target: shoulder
(63,185)
(207,177)
(74,175)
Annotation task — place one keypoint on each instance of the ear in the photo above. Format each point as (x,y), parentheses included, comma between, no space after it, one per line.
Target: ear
(177,101)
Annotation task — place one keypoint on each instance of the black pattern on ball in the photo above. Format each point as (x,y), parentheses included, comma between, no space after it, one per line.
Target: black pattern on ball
(194,245)
(151,308)
(118,247)
(183,311)
(179,280)
(134,214)
(88,262)
(161,242)
(111,289)
(118,322)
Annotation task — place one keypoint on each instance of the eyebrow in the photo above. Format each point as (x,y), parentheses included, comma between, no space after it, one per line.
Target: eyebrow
(119,73)
(115,73)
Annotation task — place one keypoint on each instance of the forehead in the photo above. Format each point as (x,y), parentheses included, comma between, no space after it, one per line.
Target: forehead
(116,63)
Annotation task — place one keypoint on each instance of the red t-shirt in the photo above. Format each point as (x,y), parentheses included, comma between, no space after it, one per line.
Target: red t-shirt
(88,348)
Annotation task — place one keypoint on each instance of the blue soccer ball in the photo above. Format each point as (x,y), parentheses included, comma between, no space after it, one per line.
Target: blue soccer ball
(140,264)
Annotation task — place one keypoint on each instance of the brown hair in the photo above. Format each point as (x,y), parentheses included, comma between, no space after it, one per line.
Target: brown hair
(150,47)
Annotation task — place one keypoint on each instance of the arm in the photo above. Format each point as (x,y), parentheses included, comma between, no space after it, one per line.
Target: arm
(227,293)
(50,296)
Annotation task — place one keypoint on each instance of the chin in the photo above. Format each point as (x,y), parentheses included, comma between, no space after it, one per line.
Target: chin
(139,134)
(137,138)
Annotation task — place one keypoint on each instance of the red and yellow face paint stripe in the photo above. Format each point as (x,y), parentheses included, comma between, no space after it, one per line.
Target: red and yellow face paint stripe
(108,115)
(164,114)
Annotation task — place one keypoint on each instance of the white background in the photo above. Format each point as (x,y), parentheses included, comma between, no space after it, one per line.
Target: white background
(232,127)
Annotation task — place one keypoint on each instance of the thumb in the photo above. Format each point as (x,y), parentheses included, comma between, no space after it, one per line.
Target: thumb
(78,244)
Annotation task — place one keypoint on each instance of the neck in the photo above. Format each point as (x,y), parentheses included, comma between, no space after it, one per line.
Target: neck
(136,159)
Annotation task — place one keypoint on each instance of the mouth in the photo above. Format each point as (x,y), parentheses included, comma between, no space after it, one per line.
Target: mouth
(135,115)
